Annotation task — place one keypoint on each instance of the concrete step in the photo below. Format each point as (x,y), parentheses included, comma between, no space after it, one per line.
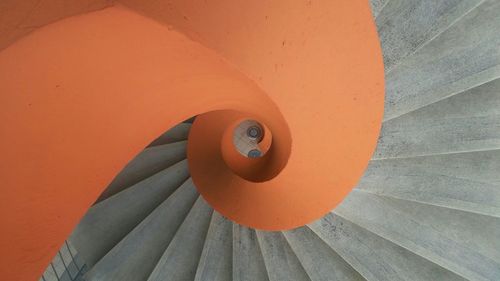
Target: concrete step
(176,134)
(480,101)
(180,260)
(217,256)
(462,57)
(248,263)
(317,258)
(377,6)
(279,258)
(107,222)
(479,166)
(469,121)
(135,256)
(404,26)
(147,163)
(438,190)
(446,237)
(465,134)
(375,258)
(463,229)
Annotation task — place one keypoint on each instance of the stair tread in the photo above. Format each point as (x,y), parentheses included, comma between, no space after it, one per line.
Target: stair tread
(107,222)
(318,259)
(460,226)
(467,121)
(176,134)
(439,190)
(377,6)
(440,136)
(248,262)
(460,58)
(404,26)
(279,259)
(134,257)
(147,163)
(479,166)
(180,259)
(372,256)
(216,259)
(443,239)
(483,100)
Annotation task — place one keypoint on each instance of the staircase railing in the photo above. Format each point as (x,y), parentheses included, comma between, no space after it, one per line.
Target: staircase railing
(65,266)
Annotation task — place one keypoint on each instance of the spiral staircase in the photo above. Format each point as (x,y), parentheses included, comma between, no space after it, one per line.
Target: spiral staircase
(426,208)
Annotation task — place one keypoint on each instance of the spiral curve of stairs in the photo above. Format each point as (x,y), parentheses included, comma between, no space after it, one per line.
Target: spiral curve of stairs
(427,206)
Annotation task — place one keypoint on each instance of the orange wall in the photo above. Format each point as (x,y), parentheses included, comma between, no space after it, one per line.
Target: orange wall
(79,99)
(321,63)
(84,95)
(20,17)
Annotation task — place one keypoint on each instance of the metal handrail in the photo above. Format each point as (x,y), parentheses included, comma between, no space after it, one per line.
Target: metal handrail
(66,264)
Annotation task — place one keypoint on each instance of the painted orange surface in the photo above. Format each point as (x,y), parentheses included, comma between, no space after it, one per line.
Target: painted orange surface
(18,18)
(82,96)
(320,62)
(79,99)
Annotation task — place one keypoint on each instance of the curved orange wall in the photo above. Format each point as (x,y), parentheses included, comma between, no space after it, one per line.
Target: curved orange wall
(79,99)
(82,96)
(18,18)
(320,62)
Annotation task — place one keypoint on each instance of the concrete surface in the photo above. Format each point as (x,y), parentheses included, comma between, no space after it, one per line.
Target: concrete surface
(248,263)
(464,56)
(469,121)
(318,259)
(107,222)
(280,260)
(405,26)
(180,260)
(372,256)
(411,229)
(147,163)
(176,134)
(217,256)
(136,255)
